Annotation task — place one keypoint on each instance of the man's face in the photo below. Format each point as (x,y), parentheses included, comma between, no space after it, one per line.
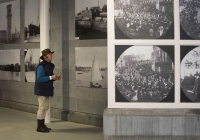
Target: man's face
(48,57)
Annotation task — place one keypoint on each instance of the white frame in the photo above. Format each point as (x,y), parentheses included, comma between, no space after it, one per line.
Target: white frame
(176,42)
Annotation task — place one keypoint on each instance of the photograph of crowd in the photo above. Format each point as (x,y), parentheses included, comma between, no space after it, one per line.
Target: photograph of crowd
(31,62)
(10,22)
(144,19)
(190,73)
(144,74)
(190,19)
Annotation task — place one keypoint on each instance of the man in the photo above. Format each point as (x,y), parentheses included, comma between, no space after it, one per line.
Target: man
(44,87)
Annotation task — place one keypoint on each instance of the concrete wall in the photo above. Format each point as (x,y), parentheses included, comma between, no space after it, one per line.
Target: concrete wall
(151,124)
(77,104)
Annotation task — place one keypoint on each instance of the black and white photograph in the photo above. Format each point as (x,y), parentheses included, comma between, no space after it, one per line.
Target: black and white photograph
(144,73)
(91,67)
(91,19)
(190,74)
(144,19)
(10,65)
(10,22)
(32,58)
(32,21)
(190,19)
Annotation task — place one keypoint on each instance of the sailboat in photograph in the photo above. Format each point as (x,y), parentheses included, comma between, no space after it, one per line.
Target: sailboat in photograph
(95,75)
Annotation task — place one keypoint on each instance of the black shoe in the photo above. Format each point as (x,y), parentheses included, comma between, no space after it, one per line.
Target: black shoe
(46,127)
(42,129)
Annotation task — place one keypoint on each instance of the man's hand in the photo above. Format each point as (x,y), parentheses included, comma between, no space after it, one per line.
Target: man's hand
(55,77)
(59,77)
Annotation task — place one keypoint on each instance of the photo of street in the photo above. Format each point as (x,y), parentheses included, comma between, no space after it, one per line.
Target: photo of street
(144,74)
(144,19)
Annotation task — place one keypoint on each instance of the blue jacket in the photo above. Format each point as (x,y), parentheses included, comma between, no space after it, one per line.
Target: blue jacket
(43,84)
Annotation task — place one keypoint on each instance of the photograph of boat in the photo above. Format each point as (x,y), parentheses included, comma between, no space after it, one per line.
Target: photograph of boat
(10,68)
(190,73)
(91,19)
(91,67)
(10,22)
(31,60)
(32,21)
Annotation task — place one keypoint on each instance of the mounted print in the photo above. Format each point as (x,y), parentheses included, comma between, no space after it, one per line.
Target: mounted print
(10,65)
(91,19)
(189,19)
(144,19)
(10,22)
(91,67)
(190,74)
(144,73)
(31,62)
(32,21)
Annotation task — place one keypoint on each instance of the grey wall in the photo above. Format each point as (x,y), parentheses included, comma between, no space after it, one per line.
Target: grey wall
(78,104)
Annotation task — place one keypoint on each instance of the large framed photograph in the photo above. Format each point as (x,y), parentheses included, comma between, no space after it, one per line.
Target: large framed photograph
(10,65)
(91,19)
(144,73)
(142,19)
(189,19)
(10,22)
(31,60)
(190,74)
(91,67)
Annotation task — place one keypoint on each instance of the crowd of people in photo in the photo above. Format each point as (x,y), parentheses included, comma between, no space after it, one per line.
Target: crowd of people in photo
(143,20)
(191,85)
(189,20)
(136,87)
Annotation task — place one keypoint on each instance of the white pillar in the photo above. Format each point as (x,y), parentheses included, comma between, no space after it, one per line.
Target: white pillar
(44,36)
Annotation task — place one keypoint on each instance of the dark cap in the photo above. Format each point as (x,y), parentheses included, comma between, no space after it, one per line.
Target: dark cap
(46,51)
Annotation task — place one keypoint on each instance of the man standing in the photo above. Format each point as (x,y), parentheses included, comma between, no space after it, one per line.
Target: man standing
(44,87)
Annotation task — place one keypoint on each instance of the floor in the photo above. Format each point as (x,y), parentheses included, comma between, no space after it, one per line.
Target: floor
(19,125)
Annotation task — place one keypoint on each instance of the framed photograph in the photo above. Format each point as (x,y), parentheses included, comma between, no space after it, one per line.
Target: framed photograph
(144,73)
(91,67)
(31,60)
(189,19)
(190,73)
(32,21)
(141,19)
(10,22)
(10,68)
(91,19)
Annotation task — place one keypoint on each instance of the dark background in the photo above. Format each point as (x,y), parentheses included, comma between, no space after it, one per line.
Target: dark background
(184,35)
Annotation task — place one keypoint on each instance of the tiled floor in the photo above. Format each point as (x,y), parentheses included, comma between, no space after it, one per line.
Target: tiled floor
(19,125)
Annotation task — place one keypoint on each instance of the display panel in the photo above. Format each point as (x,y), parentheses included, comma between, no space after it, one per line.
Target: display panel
(144,19)
(10,65)
(190,19)
(190,73)
(10,22)
(91,19)
(31,60)
(144,73)
(91,67)
(32,21)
